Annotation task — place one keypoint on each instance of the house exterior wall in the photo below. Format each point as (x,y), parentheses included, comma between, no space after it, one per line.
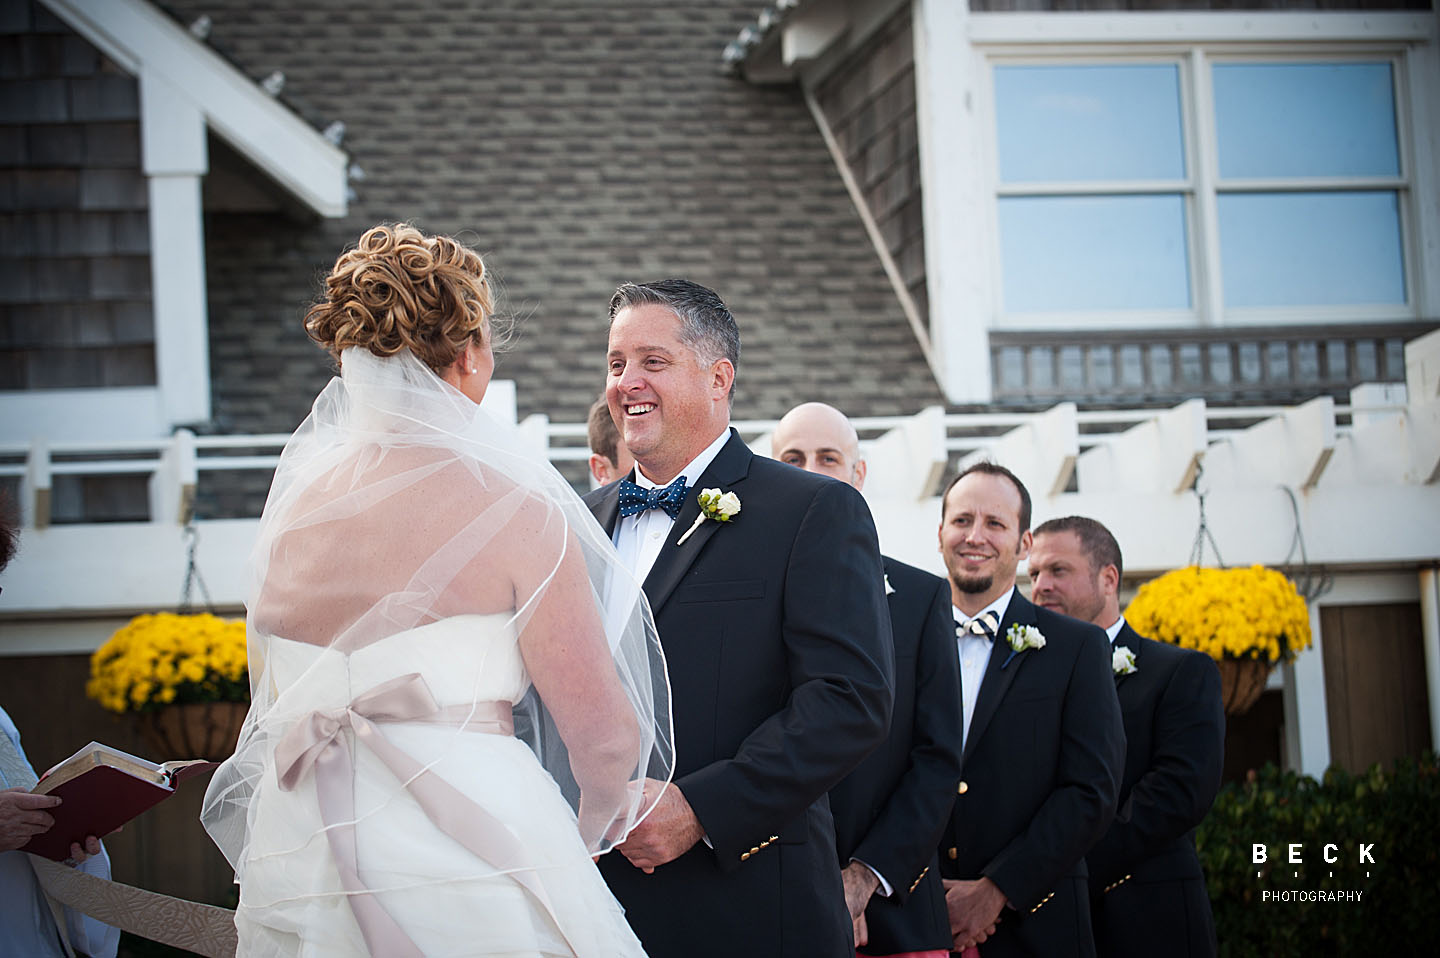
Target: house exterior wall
(1206,349)
(1093,6)
(75,305)
(578,147)
(869,103)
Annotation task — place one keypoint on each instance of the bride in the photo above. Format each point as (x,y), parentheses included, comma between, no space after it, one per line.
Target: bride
(457,691)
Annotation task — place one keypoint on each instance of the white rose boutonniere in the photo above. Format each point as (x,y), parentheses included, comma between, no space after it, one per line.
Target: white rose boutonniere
(721,507)
(1122,661)
(1022,637)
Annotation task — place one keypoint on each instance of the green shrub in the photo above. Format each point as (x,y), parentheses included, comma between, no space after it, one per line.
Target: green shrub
(1398,812)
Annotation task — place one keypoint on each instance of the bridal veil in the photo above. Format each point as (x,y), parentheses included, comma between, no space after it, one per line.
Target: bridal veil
(399,505)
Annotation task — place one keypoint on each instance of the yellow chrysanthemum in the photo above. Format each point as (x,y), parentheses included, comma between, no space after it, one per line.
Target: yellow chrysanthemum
(1225,613)
(164,657)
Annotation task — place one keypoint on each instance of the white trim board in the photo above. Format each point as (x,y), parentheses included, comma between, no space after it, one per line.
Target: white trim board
(1298,26)
(148,43)
(130,412)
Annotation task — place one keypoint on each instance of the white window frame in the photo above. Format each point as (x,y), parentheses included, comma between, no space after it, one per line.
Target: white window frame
(955,53)
(1187,189)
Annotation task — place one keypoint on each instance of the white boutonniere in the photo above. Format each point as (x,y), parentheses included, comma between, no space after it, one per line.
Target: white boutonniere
(889,589)
(1122,661)
(1022,637)
(713,505)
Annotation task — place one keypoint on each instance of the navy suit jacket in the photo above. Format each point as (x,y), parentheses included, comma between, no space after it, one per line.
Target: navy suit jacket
(777,643)
(891,811)
(1147,888)
(1040,777)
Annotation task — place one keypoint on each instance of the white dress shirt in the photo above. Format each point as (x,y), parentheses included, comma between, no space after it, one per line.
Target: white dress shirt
(639,538)
(974,653)
(1114,630)
(27,926)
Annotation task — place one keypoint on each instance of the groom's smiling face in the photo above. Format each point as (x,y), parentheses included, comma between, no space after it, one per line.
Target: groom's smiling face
(668,404)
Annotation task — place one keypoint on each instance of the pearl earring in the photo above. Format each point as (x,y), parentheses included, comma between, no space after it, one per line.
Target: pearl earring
(472,370)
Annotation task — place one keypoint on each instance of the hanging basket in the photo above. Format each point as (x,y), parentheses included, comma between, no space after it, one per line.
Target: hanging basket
(1241,682)
(194,730)
(1246,619)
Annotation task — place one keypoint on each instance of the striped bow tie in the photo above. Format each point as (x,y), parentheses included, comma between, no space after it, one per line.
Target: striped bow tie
(635,499)
(983,625)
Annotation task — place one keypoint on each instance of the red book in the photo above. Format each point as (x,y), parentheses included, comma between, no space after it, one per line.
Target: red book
(102,788)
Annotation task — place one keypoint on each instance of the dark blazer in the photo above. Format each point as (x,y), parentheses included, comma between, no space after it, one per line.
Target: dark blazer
(778,647)
(891,811)
(1147,889)
(1040,776)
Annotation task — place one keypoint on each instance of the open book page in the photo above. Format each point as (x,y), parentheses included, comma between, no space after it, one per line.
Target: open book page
(96,754)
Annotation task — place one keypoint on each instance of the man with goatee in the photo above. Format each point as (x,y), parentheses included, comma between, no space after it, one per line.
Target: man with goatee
(1043,746)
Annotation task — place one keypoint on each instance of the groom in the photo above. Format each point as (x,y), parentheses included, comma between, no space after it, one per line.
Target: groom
(776,639)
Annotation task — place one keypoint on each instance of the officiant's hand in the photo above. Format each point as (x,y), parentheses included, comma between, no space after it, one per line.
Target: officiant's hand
(23,816)
(79,853)
(669,831)
(974,908)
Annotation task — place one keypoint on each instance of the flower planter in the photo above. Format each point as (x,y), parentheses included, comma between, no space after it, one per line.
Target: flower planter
(1246,619)
(182,677)
(1241,682)
(193,730)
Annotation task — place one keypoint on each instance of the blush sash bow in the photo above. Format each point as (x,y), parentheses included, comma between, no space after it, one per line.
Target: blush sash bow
(315,742)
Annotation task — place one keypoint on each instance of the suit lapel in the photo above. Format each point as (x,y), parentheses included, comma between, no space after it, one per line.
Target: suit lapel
(726,471)
(998,676)
(607,508)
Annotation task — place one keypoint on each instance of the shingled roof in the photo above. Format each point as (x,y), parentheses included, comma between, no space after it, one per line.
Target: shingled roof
(579,145)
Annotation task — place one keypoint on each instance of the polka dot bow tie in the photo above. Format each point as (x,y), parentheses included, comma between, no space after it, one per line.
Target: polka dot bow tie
(636,499)
(983,625)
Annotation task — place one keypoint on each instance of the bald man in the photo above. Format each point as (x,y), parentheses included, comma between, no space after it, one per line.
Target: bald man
(890,812)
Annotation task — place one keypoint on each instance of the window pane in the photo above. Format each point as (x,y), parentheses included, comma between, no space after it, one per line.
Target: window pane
(1094,252)
(1058,123)
(1311,249)
(1305,119)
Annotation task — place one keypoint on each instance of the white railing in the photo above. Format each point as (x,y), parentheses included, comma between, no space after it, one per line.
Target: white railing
(173,464)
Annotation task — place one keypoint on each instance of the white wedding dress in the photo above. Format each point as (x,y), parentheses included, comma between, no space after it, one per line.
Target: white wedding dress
(401,787)
(445,899)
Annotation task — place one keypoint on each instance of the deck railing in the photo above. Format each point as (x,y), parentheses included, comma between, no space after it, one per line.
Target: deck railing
(172,466)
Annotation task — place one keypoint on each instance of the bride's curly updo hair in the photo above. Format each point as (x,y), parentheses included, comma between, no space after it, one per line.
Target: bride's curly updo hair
(402,289)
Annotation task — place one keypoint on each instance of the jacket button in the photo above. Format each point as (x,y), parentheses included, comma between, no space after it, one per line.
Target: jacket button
(954,853)
(962,788)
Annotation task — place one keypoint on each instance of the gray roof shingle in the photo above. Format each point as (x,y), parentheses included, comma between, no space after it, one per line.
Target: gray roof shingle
(578,145)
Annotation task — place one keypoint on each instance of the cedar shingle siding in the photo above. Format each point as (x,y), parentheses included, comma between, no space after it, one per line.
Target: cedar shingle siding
(74,234)
(869,103)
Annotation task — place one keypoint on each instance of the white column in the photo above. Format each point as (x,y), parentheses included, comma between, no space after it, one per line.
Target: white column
(1307,721)
(950,94)
(174,157)
(1430,636)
